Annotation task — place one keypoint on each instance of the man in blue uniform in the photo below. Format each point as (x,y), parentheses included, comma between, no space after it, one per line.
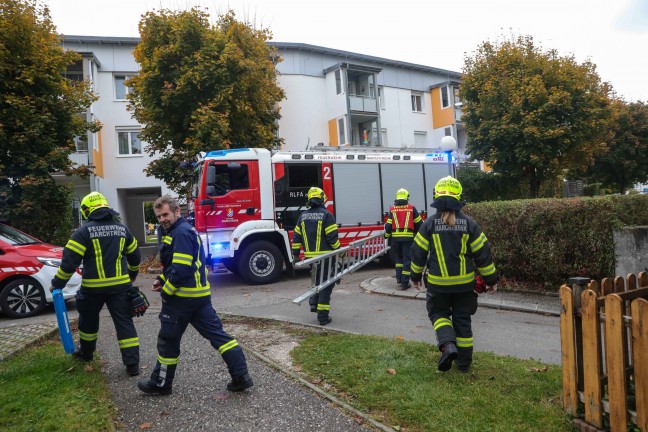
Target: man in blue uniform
(317,232)
(186,299)
(111,260)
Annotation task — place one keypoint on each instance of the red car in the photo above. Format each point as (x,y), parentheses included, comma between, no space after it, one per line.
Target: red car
(27,266)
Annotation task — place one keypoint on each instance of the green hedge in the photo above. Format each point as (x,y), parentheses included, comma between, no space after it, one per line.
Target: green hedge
(543,242)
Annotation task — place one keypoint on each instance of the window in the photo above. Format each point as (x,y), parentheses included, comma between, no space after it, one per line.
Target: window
(338,82)
(74,72)
(304,176)
(129,143)
(445,100)
(448,131)
(417,102)
(81,143)
(121,90)
(381,96)
(420,139)
(341,131)
(228,177)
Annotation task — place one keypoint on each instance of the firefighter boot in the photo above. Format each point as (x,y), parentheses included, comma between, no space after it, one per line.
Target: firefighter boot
(79,354)
(325,321)
(448,354)
(149,387)
(133,369)
(240,383)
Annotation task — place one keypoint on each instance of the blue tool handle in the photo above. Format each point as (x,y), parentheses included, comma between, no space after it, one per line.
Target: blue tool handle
(63,321)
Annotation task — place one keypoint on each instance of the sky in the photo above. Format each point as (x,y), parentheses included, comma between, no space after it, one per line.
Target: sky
(612,34)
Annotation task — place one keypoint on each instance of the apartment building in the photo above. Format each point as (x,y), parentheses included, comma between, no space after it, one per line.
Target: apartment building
(333,98)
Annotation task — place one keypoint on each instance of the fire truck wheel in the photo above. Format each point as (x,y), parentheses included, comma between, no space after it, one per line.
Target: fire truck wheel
(260,263)
(22,298)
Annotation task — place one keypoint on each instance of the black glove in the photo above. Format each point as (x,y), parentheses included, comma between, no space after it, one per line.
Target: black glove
(295,257)
(138,300)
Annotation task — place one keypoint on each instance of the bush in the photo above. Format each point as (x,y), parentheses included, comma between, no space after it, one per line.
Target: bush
(550,240)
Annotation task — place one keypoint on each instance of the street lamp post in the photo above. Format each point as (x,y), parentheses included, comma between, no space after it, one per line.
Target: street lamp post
(447,145)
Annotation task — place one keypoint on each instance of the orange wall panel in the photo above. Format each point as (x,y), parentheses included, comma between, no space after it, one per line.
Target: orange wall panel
(441,117)
(333,132)
(97,157)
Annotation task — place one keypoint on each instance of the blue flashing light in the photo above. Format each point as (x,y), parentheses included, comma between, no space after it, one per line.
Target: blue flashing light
(221,153)
(219,246)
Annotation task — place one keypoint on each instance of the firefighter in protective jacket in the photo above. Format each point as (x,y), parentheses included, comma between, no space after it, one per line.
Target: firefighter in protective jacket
(111,260)
(402,224)
(186,299)
(453,247)
(317,232)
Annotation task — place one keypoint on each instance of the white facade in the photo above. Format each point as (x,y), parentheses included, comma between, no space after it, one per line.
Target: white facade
(332,98)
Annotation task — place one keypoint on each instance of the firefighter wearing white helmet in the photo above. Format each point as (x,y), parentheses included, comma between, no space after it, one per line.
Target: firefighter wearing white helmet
(111,260)
(454,249)
(402,224)
(317,233)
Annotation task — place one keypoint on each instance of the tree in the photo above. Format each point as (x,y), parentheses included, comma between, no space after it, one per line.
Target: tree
(202,88)
(624,161)
(39,118)
(532,114)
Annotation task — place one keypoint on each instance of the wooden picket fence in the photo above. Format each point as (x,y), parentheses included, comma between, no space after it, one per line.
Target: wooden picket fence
(604,340)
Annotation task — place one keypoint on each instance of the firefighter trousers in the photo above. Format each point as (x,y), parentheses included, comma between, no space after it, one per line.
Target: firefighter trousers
(450,314)
(403,260)
(89,305)
(322,299)
(177,313)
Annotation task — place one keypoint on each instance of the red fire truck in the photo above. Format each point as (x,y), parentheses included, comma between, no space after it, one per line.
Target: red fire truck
(246,201)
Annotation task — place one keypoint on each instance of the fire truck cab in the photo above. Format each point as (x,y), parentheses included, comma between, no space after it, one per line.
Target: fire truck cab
(246,201)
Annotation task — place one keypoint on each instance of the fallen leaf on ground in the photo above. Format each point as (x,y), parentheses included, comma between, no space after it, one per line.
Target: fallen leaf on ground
(317,381)
(165,413)
(246,295)
(88,368)
(147,425)
(358,420)
(400,337)
(380,310)
(391,371)
(221,396)
(298,368)
(70,370)
(542,369)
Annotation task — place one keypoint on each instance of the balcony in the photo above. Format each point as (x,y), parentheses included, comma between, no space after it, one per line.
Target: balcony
(79,158)
(363,103)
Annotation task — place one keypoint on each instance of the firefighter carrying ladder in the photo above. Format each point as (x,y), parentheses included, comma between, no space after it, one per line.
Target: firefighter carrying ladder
(358,253)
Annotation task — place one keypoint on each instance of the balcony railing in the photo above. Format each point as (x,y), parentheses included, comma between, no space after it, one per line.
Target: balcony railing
(79,158)
(363,103)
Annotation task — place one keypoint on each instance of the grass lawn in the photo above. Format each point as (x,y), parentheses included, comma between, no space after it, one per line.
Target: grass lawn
(151,239)
(397,382)
(43,388)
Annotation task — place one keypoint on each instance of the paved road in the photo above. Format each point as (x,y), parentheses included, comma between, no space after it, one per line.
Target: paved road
(518,334)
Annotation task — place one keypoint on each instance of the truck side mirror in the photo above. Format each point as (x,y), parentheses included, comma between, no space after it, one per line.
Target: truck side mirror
(211,175)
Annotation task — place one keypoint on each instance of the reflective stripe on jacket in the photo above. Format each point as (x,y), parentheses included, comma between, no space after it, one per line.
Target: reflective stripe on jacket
(452,254)
(107,249)
(403,221)
(183,259)
(315,231)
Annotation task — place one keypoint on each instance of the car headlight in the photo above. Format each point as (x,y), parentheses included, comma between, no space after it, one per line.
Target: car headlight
(52,262)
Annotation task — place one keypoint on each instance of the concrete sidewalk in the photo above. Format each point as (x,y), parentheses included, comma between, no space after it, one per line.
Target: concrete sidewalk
(515,301)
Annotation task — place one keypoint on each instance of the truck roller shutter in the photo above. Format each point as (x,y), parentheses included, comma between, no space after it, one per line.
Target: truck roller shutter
(408,176)
(433,173)
(357,194)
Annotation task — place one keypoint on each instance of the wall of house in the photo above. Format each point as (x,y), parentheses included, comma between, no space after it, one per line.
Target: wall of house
(303,112)
(118,172)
